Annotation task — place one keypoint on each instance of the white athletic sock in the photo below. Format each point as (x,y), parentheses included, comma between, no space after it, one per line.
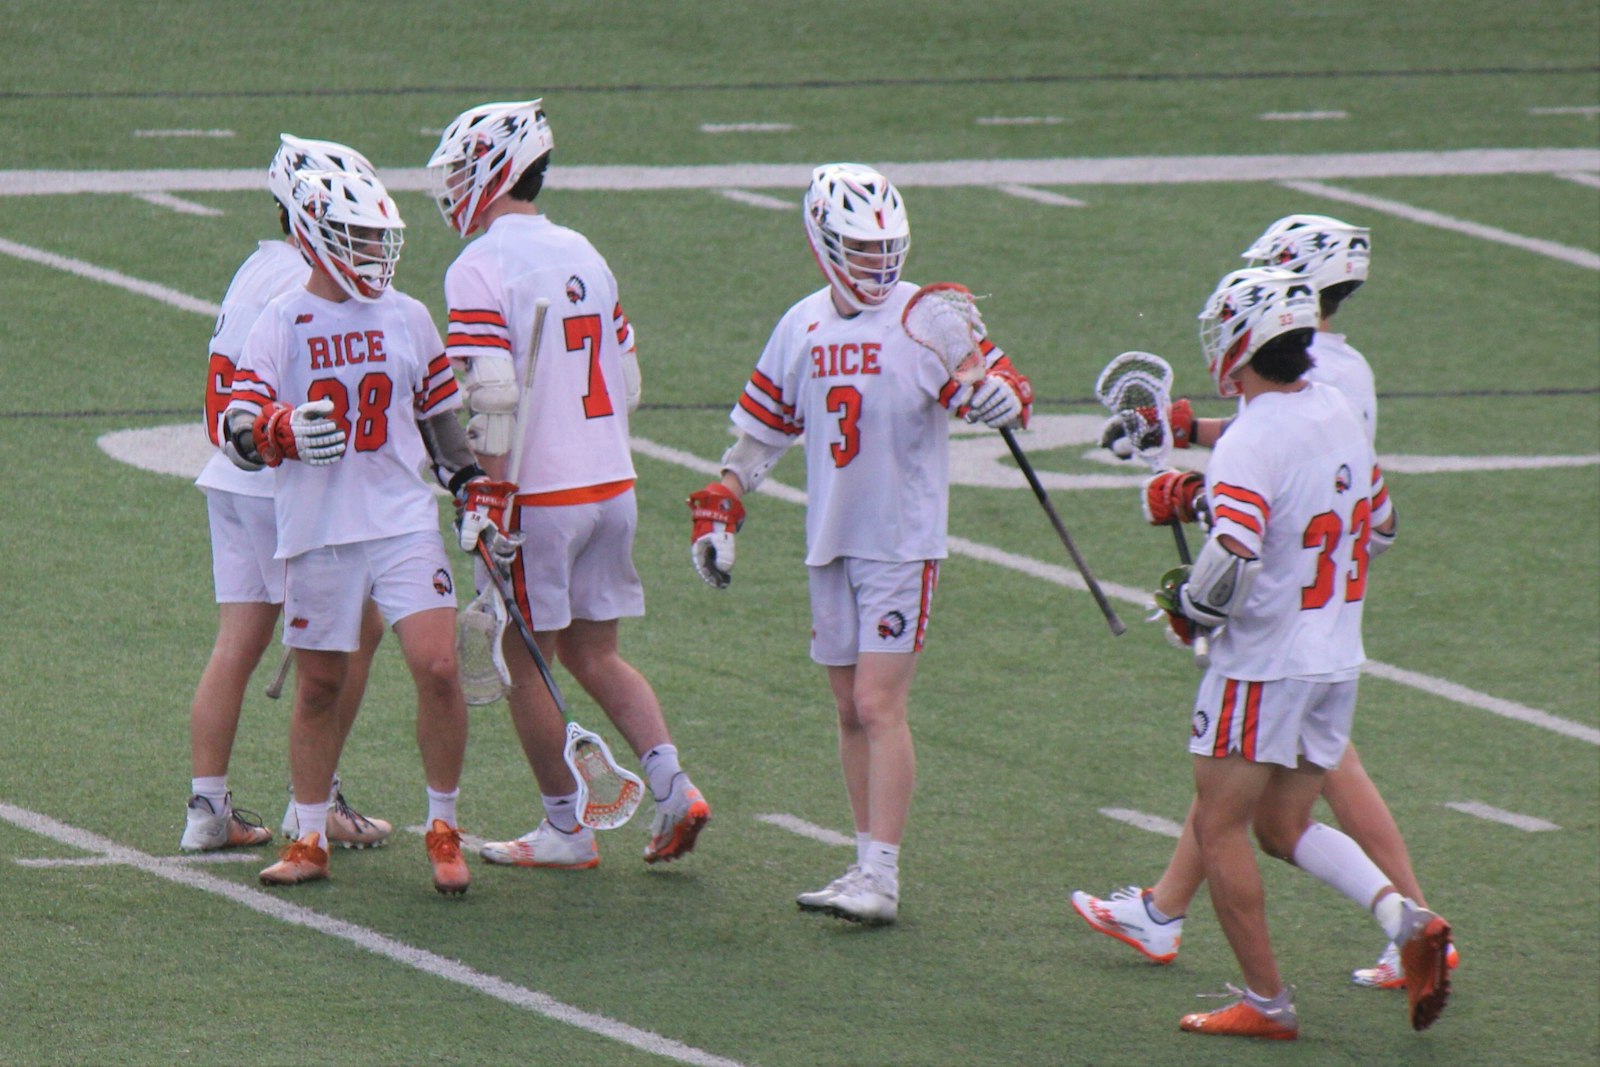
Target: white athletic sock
(562,811)
(1333,858)
(1156,913)
(313,819)
(214,789)
(1268,1005)
(883,861)
(442,806)
(1388,911)
(863,842)
(660,766)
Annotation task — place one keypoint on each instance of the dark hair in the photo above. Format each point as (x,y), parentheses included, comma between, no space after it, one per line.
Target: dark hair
(1285,358)
(1334,295)
(283,215)
(529,183)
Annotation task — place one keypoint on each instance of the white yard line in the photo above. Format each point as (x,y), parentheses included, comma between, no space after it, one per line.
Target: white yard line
(185,133)
(1587,111)
(1578,257)
(178,204)
(1591,180)
(276,907)
(1019,120)
(1154,823)
(1040,196)
(796,825)
(1303,116)
(170,297)
(1460,694)
(746,127)
(744,196)
(1527,823)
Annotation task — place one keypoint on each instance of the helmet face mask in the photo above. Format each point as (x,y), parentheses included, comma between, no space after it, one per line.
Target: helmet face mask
(481,155)
(348,227)
(1320,247)
(1248,309)
(857,227)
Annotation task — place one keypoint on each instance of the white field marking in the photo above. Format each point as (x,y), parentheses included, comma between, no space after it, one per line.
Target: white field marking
(470,840)
(1450,464)
(796,825)
(1302,116)
(1019,120)
(1154,823)
(178,204)
(108,861)
(1529,823)
(275,907)
(1591,180)
(746,127)
(1040,196)
(1588,111)
(170,297)
(744,196)
(1127,170)
(1579,257)
(1460,694)
(184,133)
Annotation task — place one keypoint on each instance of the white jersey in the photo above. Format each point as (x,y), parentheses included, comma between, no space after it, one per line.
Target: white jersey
(383,366)
(1294,480)
(576,433)
(274,268)
(872,405)
(1339,365)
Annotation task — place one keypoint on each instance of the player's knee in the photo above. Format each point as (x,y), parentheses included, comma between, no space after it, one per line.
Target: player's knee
(1277,839)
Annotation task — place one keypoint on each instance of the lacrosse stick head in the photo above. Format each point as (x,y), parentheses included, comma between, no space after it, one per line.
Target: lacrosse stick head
(944,318)
(607,795)
(1136,388)
(480,629)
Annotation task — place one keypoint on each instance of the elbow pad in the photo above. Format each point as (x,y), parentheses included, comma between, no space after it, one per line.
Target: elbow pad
(238,440)
(1219,584)
(1381,542)
(491,393)
(632,381)
(751,460)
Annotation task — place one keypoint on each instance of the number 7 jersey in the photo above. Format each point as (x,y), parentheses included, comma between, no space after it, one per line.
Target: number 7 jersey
(1295,481)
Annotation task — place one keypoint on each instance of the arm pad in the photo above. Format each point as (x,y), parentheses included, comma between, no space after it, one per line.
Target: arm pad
(1383,540)
(632,381)
(491,393)
(446,441)
(1219,584)
(751,460)
(239,439)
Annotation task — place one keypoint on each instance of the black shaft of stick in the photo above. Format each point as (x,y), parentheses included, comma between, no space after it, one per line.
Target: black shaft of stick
(523,628)
(1183,543)
(1116,624)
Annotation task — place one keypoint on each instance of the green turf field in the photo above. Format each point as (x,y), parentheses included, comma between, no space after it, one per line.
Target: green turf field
(1101,165)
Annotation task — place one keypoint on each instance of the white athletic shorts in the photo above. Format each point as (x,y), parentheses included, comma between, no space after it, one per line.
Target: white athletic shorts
(867,605)
(244,535)
(327,589)
(577,562)
(1273,722)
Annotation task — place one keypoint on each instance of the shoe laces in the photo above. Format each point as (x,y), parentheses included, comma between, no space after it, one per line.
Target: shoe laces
(342,807)
(444,846)
(246,817)
(1233,992)
(300,851)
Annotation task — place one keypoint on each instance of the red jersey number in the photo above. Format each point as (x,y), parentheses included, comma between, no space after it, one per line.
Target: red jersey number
(370,431)
(845,402)
(583,336)
(1323,533)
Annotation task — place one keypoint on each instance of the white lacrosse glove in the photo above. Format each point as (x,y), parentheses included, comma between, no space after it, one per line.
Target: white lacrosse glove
(717,516)
(997,400)
(482,503)
(304,433)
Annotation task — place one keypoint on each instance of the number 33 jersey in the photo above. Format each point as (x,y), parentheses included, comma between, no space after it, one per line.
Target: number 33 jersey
(383,366)
(871,405)
(1295,481)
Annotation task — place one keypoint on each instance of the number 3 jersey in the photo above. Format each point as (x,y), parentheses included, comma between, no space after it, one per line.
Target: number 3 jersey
(383,366)
(872,406)
(1295,481)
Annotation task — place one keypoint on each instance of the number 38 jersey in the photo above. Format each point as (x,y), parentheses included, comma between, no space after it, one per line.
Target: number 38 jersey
(383,366)
(872,406)
(1295,481)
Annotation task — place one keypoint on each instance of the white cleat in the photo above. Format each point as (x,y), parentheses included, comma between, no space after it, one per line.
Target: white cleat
(819,899)
(1123,915)
(545,846)
(867,899)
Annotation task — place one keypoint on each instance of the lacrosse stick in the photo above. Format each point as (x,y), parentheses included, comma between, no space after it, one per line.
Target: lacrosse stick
(274,688)
(943,318)
(480,630)
(1136,387)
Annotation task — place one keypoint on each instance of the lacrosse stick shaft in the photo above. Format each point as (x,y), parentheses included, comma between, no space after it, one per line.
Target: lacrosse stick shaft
(523,628)
(1202,636)
(1116,624)
(540,308)
(274,688)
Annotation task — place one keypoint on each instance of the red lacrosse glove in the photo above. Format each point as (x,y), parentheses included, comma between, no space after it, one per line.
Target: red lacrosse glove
(305,433)
(1173,496)
(1181,415)
(717,516)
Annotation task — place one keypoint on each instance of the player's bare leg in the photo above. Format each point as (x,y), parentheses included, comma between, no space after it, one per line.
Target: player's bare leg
(1362,813)
(243,633)
(1184,875)
(1228,790)
(540,728)
(428,642)
(314,744)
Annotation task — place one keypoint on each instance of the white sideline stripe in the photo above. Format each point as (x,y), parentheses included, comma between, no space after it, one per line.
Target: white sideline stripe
(1127,170)
(746,127)
(178,204)
(1462,695)
(170,297)
(1154,823)
(370,940)
(1019,120)
(1060,575)
(796,825)
(1579,257)
(107,861)
(1302,116)
(1040,196)
(744,196)
(1588,111)
(1401,464)
(1528,823)
(1591,180)
(184,133)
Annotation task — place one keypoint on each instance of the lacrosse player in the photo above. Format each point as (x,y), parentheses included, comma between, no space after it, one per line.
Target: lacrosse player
(874,407)
(1334,256)
(249,583)
(1298,511)
(575,504)
(343,386)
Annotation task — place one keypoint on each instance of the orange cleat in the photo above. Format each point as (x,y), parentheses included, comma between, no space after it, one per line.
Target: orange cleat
(1425,961)
(303,860)
(1243,1019)
(678,822)
(444,850)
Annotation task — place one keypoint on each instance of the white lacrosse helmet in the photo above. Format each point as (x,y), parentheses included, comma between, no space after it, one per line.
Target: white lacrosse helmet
(1322,248)
(1249,308)
(481,155)
(346,224)
(854,203)
(300,153)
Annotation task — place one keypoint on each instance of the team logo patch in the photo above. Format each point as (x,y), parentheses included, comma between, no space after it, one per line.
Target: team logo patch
(1202,723)
(1342,479)
(302,318)
(891,626)
(299,622)
(576,290)
(442,583)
